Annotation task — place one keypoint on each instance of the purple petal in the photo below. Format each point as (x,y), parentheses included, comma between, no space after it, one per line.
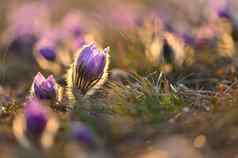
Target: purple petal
(96,66)
(44,88)
(90,66)
(48,53)
(36,117)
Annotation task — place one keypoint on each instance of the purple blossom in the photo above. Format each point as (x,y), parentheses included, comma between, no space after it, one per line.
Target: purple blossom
(36,118)
(82,134)
(46,48)
(26,23)
(48,53)
(47,45)
(44,88)
(224,14)
(89,66)
(218,8)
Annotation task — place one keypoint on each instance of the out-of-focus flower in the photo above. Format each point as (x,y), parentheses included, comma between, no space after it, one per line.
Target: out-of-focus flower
(218,8)
(26,23)
(89,69)
(36,118)
(82,134)
(224,12)
(72,24)
(73,29)
(48,43)
(51,52)
(47,49)
(35,126)
(84,143)
(44,88)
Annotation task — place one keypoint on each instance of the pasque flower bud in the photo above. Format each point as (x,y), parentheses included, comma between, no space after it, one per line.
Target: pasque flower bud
(44,88)
(36,125)
(89,69)
(46,49)
(36,118)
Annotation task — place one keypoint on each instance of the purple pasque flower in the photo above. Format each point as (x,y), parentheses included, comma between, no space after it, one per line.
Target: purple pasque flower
(46,49)
(219,8)
(44,88)
(26,22)
(35,125)
(82,134)
(89,67)
(36,117)
(48,53)
(47,45)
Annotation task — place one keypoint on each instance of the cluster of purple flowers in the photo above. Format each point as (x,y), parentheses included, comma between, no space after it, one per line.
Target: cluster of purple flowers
(89,65)
(37,123)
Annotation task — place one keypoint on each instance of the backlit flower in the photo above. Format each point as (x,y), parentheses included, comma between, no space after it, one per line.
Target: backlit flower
(89,68)
(44,88)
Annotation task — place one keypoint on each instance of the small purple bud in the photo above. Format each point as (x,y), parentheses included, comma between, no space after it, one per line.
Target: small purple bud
(82,134)
(36,118)
(44,88)
(25,24)
(48,43)
(89,66)
(48,53)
